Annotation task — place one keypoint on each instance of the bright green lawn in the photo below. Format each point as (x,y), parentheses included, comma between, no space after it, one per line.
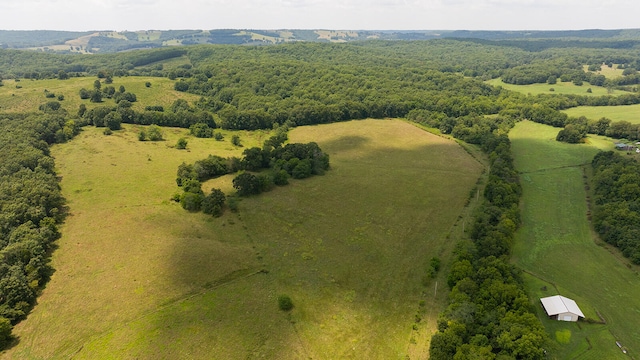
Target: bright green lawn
(138,277)
(559,88)
(556,245)
(630,113)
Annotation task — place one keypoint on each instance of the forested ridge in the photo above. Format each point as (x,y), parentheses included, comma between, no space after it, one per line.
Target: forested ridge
(437,83)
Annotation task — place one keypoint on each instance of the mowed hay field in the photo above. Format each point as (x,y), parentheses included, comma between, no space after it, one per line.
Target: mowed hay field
(31,93)
(630,113)
(560,255)
(558,88)
(138,277)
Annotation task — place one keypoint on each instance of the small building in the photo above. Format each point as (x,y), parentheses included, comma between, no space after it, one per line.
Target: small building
(623,147)
(561,308)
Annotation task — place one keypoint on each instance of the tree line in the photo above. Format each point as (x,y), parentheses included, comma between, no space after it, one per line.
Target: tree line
(616,211)
(489,315)
(31,207)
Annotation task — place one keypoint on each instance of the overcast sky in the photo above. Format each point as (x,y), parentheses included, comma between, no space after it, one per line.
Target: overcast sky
(82,15)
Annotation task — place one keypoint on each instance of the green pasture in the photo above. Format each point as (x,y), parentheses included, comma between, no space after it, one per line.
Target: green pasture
(558,88)
(27,95)
(630,113)
(608,72)
(560,254)
(139,277)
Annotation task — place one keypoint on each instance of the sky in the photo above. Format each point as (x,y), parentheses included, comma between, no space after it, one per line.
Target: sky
(132,15)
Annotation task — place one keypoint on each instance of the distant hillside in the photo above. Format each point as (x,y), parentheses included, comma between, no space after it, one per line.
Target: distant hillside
(111,41)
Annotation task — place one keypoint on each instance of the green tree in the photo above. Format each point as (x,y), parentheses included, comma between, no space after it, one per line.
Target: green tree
(191,201)
(97,85)
(82,109)
(113,121)
(201,130)
(5,332)
(96,96)
(214,202)
(154,133)
(235,140)
(285,303)
(181,144)
(247,184)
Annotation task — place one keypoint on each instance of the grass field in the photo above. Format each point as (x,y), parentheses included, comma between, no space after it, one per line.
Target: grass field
(557,248)
(630,113)
(608,72)
(138,277)
(559,88)
(31,94)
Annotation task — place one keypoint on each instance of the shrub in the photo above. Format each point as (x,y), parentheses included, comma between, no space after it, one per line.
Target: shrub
(191,201)
(154,132)
(213,203)
(218,136)
(201,130)
(5,331)
(235,140)
(285,303)
(181,144)
(147,84)
(232,203)
(142,136)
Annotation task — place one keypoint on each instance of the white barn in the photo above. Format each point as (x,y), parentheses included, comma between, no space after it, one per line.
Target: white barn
(561,308)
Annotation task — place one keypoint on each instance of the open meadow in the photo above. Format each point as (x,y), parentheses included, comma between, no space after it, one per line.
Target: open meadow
(630,113)
(139,277)
(559,252)
(558,88)
(27,95)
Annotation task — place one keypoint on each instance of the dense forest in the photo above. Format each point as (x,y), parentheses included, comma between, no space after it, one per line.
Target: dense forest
(438,83)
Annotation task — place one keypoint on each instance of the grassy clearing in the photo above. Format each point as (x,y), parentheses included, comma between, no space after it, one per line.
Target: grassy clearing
(31,94)
(557,248)
(630,113)
(608,72)
(559,88)
(138,277)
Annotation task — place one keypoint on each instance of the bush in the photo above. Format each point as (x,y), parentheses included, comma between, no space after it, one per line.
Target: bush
(235,140)
(232,203)
(5,331)
(218,136)
(213,203)
(154,132)
(181,144)
(201,130)
(285,303)
(191,201)
(142,136)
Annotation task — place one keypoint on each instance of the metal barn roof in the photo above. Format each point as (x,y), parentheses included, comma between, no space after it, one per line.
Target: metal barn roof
(558,304)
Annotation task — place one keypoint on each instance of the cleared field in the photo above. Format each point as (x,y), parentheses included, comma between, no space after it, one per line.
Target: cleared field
(31,93)
(138,277)
(559,88)
(608,72)
(630,113)
(558,250)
